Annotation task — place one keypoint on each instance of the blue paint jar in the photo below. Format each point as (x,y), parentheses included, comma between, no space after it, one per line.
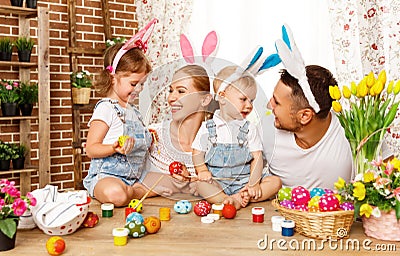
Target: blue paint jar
(288,227)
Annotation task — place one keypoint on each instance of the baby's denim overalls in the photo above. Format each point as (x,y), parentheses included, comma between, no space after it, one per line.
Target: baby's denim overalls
(128,167)
(226,160)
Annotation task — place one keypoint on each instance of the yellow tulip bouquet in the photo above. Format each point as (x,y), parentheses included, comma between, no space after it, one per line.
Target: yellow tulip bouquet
(365,111)
(376,190)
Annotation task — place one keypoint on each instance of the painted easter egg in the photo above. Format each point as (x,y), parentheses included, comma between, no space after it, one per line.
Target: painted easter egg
(285,193)
(300,195)
(314,202)
(134,216)
(133,203)
(328,202)
(317,192)
(287,203)
(152,224)
(183,206)
(347,206)
(202,208)
(301,207)
(136,229)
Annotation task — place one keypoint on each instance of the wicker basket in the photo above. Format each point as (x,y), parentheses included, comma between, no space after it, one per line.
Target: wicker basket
(319,225)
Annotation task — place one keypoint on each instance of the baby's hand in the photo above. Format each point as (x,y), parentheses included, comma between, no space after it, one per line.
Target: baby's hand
(204,176)
(254,191)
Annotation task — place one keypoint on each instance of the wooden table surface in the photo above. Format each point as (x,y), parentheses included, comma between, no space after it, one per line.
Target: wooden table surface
(184,234)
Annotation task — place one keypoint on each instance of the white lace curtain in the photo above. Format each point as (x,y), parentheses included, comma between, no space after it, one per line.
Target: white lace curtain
(173,17)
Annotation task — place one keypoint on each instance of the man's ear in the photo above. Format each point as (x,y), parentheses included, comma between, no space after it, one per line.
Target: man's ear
(305,115)
(206,100)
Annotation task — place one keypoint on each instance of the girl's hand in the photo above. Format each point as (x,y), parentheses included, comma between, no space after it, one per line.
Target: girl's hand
(254,191)
(126,148)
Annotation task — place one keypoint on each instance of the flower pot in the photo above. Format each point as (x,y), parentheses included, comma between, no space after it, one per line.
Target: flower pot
(4,165)
(17,3)
(31,4)
(7,243)
(24,56)
(18,163)
(5,56)
(9,109)
(385,227)
(26,109)
(81,95)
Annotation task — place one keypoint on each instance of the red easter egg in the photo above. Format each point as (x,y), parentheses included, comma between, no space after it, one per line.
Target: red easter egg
(175,168)
(91,220)
(300,195)
(202,208)
(229,211)
(328,202)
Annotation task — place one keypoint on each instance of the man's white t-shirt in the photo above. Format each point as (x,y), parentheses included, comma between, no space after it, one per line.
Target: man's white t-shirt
(318,166)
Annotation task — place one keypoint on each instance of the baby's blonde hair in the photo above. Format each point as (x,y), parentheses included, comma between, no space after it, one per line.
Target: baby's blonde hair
(246,80)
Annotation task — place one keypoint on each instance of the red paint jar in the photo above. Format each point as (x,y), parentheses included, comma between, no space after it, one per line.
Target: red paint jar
(258,214)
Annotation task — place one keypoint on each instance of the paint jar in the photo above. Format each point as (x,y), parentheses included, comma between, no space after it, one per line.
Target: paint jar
(288,227)
(107,210)
(277,223)
(120,236)
(164,213)
(129,210)
(217,209)
(258,214)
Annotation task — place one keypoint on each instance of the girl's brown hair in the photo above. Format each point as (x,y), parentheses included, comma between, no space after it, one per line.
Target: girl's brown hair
(133,61)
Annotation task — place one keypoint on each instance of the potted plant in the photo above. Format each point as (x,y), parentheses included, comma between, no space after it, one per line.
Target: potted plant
(9,97)
(81,86)
(31,4)
(13,205)
(376,197)
(24,46)
(17,3)
(18,153)
(369,108)
(5,156)
(28,96)
(6,47)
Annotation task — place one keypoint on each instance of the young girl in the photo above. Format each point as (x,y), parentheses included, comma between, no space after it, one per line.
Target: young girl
(112,175)
(227,150)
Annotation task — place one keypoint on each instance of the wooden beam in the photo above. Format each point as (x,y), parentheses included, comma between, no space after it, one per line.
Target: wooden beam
(106,19)
(80,50)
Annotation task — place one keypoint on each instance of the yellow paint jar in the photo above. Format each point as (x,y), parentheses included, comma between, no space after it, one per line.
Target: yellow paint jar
(217,209)
(120,236)
(164,213)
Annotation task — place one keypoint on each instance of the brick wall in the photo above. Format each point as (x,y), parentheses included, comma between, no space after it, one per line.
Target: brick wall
(90,34)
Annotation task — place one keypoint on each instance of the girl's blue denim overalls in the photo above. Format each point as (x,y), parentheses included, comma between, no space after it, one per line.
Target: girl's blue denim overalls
(127,168)
(226,160)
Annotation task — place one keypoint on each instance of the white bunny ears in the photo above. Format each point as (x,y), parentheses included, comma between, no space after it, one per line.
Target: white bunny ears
(294,63)
(254,64)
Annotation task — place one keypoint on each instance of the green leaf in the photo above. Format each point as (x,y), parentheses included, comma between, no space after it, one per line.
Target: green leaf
(8,227)
(357,206)
(397,209)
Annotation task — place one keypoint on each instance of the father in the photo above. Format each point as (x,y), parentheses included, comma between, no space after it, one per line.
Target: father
(307,146)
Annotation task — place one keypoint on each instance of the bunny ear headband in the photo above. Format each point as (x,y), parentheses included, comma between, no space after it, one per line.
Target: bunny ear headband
(208,50)
(254,64)
(139,40)
(294,64)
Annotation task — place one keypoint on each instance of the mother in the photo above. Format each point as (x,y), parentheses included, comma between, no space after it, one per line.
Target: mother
(189,98)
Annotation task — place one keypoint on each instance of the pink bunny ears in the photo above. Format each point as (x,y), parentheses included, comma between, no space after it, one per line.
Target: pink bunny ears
(208,49)
(139,40)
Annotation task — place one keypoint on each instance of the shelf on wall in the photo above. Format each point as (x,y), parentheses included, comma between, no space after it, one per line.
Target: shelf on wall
(18,64)
(29,169)
(27,12)
(7,118)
